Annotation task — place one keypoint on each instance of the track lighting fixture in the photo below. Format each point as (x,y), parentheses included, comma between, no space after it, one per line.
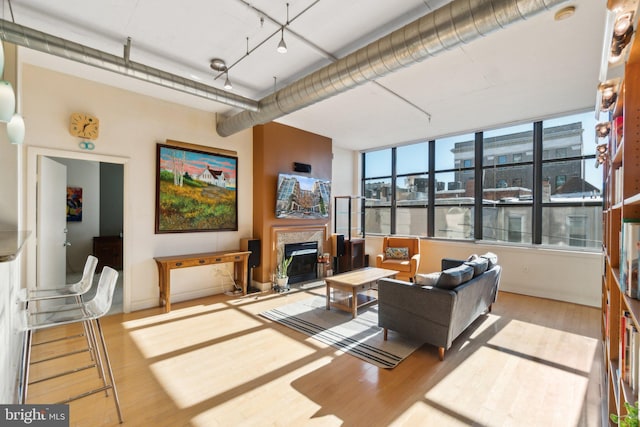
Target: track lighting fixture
(602,148)
(603,129)
(282,46)
(220,66)
(227,82)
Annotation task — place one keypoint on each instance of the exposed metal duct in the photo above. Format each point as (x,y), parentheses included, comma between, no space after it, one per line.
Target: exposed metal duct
(34,39)
(460,21)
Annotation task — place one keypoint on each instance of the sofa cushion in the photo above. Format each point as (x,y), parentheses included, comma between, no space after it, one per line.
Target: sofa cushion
(397,253)
(430,279)
(453,277)
(492,258)
(479,265)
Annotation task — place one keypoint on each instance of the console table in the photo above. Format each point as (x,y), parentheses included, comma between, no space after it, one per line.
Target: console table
(168,263)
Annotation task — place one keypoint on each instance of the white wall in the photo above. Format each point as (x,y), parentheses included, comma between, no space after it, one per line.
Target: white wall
(130,127)
(548,273)
(84,174)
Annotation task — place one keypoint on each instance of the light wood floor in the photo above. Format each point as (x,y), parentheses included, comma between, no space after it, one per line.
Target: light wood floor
(215,362)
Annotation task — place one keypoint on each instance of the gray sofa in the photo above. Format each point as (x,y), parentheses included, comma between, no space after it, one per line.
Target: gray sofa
(436,309)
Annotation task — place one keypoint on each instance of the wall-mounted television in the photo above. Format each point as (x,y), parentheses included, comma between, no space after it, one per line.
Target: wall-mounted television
(302,197)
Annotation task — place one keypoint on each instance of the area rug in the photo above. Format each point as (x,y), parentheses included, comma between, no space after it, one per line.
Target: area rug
(360,337)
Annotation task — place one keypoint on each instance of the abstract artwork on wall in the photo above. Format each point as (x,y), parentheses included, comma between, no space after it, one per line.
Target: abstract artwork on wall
(74,204)
(196,189)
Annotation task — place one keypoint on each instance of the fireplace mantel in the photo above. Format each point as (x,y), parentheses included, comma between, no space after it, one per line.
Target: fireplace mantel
(280,235)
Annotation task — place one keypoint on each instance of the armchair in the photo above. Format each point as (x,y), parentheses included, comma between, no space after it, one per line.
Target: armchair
(407,266)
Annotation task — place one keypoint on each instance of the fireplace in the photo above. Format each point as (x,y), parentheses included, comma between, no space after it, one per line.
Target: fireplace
(303,264)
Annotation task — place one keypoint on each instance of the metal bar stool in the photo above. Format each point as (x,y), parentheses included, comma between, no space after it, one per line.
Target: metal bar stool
(88,313)
(72,290)
(75,290)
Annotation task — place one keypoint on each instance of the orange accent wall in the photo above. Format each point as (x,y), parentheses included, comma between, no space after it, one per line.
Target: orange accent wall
(275,148)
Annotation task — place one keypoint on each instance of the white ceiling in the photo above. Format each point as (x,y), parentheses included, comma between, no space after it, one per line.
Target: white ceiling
(532,69)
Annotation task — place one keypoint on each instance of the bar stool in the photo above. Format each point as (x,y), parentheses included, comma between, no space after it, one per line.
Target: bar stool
(89,313)
(71,290)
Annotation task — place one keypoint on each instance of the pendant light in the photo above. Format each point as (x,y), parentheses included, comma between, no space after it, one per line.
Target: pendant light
(16,129)
(7,101)
(227,82)
(282,46)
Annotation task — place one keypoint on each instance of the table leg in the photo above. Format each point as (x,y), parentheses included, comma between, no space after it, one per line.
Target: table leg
(354,303)
(164,283)
(328,296)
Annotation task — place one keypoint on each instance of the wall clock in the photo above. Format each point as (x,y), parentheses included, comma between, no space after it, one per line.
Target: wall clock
(84,126)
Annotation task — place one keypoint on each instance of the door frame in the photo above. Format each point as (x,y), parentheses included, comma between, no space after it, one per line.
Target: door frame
(32,164)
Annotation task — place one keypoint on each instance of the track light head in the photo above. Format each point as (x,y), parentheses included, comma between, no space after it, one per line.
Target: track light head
(227,83)
(282,46)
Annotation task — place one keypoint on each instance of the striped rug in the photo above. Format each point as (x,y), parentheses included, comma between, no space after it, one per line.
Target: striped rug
(360,337)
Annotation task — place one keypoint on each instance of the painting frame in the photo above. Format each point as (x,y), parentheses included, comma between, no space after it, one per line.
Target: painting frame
(196,188)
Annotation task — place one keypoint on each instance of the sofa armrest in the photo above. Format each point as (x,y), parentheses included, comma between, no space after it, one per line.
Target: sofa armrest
(451,263)
(379,260)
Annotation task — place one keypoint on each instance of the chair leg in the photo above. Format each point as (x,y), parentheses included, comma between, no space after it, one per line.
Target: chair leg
(98,359)
(26,361)
(441,353)
(109,370)
(92,348)
(385,333)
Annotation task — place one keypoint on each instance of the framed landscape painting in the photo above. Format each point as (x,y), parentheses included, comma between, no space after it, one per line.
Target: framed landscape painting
(196,189)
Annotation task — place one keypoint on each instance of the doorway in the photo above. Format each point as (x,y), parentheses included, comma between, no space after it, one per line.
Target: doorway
(97,182)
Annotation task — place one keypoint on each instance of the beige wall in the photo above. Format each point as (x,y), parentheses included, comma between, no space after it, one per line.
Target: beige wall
(130,127)
(547,273)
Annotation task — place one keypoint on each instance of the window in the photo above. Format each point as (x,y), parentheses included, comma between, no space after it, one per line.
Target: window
(572,195)
(454,198)
(508,201)
(565,209)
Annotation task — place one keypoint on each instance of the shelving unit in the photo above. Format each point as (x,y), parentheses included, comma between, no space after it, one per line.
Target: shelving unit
(347,221)
(621,201)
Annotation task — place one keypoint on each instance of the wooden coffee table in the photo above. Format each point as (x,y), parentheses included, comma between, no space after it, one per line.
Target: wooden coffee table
(352,283)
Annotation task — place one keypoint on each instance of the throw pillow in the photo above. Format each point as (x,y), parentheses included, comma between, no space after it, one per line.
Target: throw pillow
(397,253)
(453,277)
(430,279)
(479,265)
(492,258)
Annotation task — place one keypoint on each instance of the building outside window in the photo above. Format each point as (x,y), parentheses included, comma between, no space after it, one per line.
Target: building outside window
(568,200)
(453,216)
(412,186)
(514,229)
(377,192)
(572,207)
